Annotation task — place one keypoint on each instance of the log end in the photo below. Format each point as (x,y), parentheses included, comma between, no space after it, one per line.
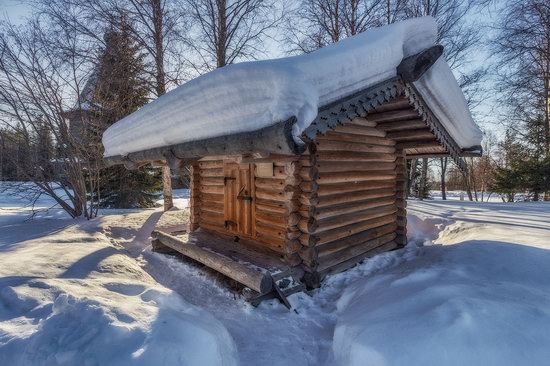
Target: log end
(266,284)
(312,280)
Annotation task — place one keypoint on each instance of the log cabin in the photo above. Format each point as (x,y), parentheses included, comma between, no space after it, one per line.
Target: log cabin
(298,165)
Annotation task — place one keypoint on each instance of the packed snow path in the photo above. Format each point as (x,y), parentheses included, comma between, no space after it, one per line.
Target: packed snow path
(476,293)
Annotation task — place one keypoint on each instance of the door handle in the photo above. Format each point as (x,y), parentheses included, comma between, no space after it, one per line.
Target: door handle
(246,198)
(225,179)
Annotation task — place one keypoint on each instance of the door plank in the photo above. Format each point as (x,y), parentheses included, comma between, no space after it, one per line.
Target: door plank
(244,202)
(230,171)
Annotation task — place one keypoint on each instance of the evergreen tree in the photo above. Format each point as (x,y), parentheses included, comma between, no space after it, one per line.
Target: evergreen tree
(531,175)
(13,151)
(120,90)
(535,136)
(121,84)
(524,167)
(507,182)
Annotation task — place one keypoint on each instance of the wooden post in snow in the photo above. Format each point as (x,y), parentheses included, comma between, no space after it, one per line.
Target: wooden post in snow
(167,188)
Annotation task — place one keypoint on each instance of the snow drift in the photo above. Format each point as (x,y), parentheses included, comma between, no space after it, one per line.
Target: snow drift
(80,329)
(72,299)
(479,302)
(253,95)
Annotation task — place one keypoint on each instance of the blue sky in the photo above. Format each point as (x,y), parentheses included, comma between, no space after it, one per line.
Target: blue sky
(13,10)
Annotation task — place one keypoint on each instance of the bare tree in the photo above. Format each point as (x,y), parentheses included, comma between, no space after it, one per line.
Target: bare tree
(479,178)
(393,11)
(459,35)
(157,25)
(225,31)
(522,46)
(35,82)
(317,23)
(411,178)
(422,189)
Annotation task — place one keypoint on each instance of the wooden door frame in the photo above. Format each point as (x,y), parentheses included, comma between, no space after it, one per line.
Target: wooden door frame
(237,215)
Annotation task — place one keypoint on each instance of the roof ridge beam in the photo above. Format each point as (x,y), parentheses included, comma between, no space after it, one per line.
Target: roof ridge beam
(413,67)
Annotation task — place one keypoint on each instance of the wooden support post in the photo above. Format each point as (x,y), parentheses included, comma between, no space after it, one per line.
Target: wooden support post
(401,198)
(194,199)
(167,188)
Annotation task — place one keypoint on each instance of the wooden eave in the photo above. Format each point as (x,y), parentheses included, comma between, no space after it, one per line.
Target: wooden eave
(397,107)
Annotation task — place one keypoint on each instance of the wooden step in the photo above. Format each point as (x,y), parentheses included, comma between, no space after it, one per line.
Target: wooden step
(261,281)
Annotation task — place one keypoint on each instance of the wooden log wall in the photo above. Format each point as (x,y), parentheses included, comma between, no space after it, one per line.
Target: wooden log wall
(210,192)
(341,201)
(348,204)
(308,199)
(275,211)
(276,208)
(401,198)
(353,203)
(194,197)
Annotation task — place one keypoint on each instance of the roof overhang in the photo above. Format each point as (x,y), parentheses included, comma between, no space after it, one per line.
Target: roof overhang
(275,139)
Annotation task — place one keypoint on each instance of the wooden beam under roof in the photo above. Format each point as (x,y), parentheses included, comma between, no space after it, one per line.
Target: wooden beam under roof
(275,139)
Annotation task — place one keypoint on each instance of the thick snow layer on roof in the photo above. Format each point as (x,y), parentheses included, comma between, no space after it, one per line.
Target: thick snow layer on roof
(443,95)
(253,95)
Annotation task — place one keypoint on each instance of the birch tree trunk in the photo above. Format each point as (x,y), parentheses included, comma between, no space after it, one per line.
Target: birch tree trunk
(412,176)
(423,179)
(160,76)
(443,162)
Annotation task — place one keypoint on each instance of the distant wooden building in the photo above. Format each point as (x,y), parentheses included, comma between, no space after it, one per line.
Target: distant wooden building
(82,119)
(272,213)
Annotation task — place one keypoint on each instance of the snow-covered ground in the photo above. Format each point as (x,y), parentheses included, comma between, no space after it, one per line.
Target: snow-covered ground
(479,294)
(180,198)
(485,197)
(70,296)
(463,196)
(471,289)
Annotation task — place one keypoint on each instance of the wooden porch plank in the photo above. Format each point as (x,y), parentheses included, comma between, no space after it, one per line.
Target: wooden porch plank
(252,278)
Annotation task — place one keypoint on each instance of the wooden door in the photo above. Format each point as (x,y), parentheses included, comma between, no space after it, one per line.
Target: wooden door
(238,196)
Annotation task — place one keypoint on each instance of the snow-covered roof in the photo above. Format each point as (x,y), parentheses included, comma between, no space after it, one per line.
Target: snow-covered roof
(254,95)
